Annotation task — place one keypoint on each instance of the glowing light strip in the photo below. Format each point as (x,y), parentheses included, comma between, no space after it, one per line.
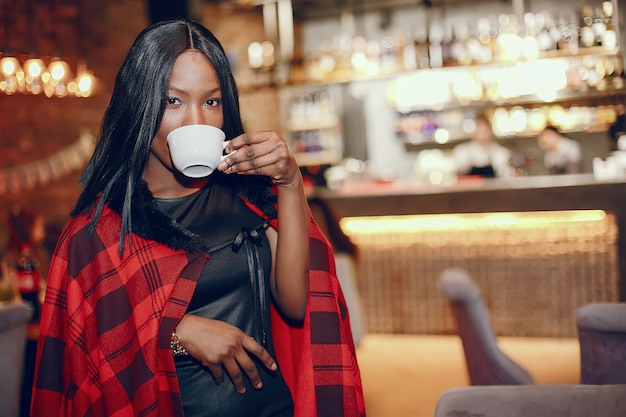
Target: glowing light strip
(416,223)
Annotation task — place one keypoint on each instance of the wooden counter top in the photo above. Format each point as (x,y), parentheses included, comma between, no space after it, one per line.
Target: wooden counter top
(477,195)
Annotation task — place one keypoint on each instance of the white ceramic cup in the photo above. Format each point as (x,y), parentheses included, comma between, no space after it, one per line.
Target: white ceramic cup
(196,149)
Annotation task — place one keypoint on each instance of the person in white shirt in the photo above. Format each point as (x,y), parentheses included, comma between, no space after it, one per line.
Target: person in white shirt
(482,155)
(562,154)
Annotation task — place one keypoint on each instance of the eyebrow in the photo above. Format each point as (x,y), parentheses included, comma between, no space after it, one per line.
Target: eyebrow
(183,91)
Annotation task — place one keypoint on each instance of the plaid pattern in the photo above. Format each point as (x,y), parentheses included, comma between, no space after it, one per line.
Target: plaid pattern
(104,348)
(318,360)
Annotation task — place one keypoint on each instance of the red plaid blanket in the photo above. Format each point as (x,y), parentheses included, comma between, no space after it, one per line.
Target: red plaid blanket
(106,324)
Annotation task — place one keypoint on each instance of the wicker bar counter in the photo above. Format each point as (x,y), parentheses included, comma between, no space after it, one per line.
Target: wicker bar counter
(538,247)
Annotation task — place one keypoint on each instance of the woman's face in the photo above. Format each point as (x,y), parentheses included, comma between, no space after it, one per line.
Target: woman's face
(194,97)
(483,134)
(548,140)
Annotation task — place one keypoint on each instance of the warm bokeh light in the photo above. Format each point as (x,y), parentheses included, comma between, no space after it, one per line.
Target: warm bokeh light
(60,76)
(53,80)
(420,223)
(84,84)
(12,75)
(255,55)
(34,70)
(58,70)
(9,65)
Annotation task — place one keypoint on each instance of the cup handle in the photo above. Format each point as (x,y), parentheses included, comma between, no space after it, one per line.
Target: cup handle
(228,154)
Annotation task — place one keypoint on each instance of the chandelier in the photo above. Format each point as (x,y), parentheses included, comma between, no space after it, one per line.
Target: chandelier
(34,74)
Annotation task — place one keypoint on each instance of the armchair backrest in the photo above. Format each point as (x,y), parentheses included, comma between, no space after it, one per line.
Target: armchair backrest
(602,337)
(574,400)
(14,317)
(486,363)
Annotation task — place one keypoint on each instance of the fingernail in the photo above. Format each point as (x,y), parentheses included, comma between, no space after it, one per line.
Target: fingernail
(222,166)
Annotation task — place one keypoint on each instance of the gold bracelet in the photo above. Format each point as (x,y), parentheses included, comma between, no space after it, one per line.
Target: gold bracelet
(177,348)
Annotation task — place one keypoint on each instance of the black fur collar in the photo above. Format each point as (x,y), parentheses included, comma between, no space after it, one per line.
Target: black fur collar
(150,222)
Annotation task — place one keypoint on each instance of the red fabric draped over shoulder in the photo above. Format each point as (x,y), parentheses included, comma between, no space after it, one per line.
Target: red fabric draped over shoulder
(106,322)
(104,344)
(318,358)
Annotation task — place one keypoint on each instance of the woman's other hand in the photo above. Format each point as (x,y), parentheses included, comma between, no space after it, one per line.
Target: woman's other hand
(222,347)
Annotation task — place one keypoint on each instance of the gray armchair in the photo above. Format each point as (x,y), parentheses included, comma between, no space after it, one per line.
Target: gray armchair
(14,316)
(573,400)
(486,363)
(602,337)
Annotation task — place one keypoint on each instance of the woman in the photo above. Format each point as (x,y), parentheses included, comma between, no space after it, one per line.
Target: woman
(562,155)
(482,155)
(169,295)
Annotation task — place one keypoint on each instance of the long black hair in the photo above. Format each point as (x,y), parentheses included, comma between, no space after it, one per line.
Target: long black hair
(134,113)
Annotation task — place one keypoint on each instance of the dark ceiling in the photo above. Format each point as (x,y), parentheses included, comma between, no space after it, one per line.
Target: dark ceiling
(316,9)
(319,9)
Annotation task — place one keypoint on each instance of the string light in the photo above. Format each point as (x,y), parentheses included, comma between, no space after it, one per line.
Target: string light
(33,75)
(12,75)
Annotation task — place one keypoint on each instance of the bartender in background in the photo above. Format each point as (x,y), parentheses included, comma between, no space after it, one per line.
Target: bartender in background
(482,155)
(562,154)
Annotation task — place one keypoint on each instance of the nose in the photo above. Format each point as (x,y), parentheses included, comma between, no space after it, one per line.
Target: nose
(194,115)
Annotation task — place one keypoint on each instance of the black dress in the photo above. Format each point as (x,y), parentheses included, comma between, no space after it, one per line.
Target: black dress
(227,292)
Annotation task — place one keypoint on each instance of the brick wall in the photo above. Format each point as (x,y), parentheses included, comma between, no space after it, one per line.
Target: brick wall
(236,30)
(34,127)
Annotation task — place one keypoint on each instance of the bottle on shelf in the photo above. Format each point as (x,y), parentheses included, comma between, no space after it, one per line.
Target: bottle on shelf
(565,36)
(421,45)
(438,42)
(574,42)
(599,26)
(545,37)
(29,279)
(587,35)
(494,32)
(8,287)
(483,53)
(618,77)
(409,54)
(466,47)
(609,40)
(358,59)
(509,42)
(400,43)
(435,50)
(530,47)
(447,42)
(388,56)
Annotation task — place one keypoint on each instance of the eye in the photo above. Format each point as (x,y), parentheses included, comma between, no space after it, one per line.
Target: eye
(173,101)
(213,102)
